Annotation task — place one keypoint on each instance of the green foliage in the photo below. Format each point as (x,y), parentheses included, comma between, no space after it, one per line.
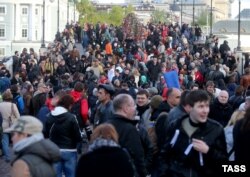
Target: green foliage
(159,16)
(129,9)
(116,15)
(89,14)
(204,18)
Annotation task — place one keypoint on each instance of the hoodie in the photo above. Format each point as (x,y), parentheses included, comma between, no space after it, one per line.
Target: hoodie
(62,128)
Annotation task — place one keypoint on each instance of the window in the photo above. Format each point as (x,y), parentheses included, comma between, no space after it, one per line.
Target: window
(2,30)
(24,11)
(2,10)
(24,33)
(36,11)
(2,52)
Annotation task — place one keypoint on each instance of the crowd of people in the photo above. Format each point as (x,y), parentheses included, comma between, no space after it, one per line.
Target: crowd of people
(115,99)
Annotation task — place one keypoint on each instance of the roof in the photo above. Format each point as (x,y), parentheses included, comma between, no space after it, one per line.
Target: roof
(175,7)
(244,14)
(231,26)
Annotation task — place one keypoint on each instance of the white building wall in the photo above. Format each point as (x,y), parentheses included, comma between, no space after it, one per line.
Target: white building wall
(33,22)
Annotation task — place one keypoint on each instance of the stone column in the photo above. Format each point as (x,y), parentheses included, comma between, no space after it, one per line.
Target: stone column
(31,26)
(18,22)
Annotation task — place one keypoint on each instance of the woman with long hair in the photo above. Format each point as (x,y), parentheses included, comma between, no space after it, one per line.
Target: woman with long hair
(241,135)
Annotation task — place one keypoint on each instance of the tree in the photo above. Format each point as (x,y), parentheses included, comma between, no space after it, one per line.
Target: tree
(129,9)
(159,16)
(116,15)
(204,18)
(86,11)
(89,14)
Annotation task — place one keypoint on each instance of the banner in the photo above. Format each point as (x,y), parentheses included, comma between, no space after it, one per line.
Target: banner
(172,79)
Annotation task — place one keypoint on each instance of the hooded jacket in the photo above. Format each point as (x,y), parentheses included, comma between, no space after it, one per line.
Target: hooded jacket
(62,128)
(36,160)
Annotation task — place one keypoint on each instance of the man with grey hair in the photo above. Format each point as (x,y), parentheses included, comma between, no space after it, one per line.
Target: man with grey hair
(124,122)
(221,110)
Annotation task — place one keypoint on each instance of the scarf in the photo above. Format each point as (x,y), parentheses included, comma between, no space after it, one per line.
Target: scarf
(100,142)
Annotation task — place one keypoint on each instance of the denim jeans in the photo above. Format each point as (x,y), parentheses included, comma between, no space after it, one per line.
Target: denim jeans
(5,145)
(67,164)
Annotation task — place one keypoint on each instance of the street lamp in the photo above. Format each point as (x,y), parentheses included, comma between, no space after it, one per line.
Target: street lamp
(67,12)
(74,10)
(58,16)
(181,12)
(193,11)
(43,24)
(239,21)
(43,41)
(211,18)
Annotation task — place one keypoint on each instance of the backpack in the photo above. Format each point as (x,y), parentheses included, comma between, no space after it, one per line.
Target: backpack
(76,110)
(18,100)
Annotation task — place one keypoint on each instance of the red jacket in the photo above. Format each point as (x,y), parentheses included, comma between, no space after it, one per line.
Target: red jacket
(84,104)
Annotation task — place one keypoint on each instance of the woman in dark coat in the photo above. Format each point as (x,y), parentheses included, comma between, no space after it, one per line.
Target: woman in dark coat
(241,135)
(105,157)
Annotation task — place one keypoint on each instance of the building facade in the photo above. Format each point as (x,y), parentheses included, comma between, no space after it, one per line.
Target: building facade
(21,23)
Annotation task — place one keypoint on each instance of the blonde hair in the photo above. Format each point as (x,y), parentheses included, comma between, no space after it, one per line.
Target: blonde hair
(105,131)
(136,72)
(237,115)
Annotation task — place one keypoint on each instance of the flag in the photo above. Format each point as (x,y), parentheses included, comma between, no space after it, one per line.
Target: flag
(172,79)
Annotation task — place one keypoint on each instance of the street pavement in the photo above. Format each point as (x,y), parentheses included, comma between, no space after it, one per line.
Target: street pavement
(5,167)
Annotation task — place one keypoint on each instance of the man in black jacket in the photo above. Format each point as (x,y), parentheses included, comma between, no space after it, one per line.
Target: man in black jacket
(129,138)
(195,145)
(16,62)
(104,109)
(221,110)
(39,98)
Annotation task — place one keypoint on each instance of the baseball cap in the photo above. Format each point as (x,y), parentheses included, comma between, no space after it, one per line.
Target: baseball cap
(26,124)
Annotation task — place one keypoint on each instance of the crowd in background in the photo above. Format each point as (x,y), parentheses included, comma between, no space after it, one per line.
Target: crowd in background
(71,92)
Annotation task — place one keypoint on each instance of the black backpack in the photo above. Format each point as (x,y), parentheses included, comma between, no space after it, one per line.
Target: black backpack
(76,110)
